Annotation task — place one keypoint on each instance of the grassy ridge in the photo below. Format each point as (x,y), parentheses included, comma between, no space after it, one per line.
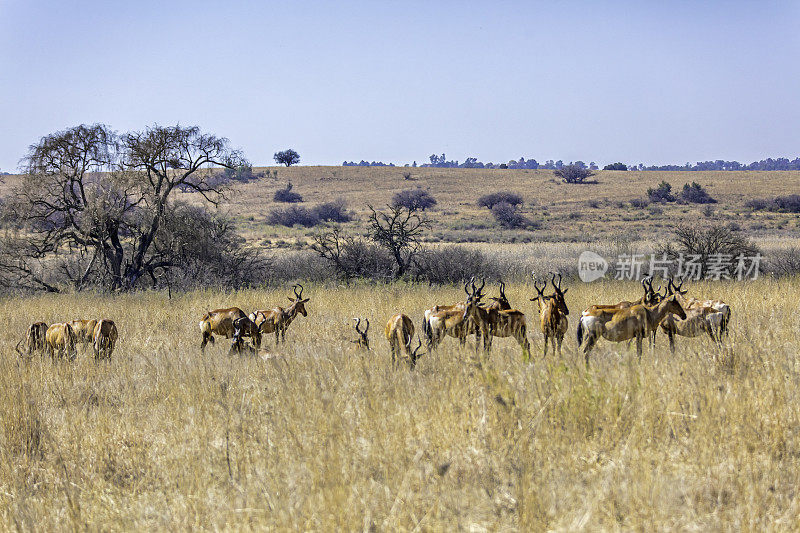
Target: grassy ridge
(321,436)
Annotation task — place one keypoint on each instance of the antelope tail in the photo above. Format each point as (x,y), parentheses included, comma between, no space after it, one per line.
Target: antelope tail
(426,327)
(580,333)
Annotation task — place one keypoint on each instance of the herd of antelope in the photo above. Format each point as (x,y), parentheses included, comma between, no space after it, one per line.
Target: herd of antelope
(672,311)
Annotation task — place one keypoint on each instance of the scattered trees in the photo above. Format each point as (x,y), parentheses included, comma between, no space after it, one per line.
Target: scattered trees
(616,166)
(287,157)
(661,194)
(399,231)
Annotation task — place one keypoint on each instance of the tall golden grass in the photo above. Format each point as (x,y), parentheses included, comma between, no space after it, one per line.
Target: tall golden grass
(321,436)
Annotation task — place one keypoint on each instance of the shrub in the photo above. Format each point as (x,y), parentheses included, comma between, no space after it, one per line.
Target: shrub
(293,215)
(286,195)
(242,173)
(662,193)
(490,200)
(703,242)
(785,204)
(573,173)
(639,203)
(508,216)
(454,264)
(414,199)
(785,262)
(616,166)
(696,194)
(335,211)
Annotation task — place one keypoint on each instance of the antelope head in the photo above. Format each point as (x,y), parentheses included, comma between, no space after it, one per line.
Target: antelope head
(558,295)
(362,342)
(541,298)
(298,302)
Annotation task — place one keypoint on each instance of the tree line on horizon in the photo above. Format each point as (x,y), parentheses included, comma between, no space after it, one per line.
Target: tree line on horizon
(441,161)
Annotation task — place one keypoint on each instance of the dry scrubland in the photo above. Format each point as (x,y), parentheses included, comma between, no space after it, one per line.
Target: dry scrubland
(563,212)
(322,437)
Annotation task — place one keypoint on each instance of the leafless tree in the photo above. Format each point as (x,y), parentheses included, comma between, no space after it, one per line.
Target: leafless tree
(398,230)
(92,203)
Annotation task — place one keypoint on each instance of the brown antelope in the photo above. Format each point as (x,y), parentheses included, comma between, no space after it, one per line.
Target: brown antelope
(636,322)
(552,313)
(400,332)
(497,323)
(700,318)
(442,320)
(243,327)
(597,315)
(34,341)
(220,322)
(363,340)
(501,302)
(60,341)
(84,330)
(719,315)
(277,319)
(104,338)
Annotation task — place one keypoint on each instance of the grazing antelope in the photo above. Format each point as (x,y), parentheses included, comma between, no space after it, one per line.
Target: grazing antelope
(84,330)
(220,322)
(243,327)
(34,341)
(60,341)
(363,340)
(104,338)
(552,313)
(497,323)
(696,323)
(442,320)
(400,332)
(277,319)
(636,322)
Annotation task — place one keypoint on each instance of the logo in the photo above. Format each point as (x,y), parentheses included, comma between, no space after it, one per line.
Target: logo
(591,266)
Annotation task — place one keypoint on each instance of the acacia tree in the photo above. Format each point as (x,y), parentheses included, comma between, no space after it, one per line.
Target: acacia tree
(399,231)
(92,202)
(287,157)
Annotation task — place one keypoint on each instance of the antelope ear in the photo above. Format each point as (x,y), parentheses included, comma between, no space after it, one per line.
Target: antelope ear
(304,301)
(290,298)
(534,299)
(564,291)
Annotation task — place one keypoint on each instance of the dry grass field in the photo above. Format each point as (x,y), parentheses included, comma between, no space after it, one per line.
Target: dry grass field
(319,436)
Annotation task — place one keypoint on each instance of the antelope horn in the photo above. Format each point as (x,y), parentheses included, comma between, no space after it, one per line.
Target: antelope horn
(466,288)
(300,295)
(366,329)
(559,282)
(358,322)
(483,284)
(502,289)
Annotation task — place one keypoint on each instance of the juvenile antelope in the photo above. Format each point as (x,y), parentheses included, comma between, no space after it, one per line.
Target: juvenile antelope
(243,327)
(277,319)
(400,332)
(34,341)
(552,313)
(104,338)
(363,340)
(633,322)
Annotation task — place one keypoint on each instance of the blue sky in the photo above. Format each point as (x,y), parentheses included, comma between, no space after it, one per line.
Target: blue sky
(651,82)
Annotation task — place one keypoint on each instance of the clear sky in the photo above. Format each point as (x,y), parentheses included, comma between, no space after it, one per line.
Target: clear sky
(641,81)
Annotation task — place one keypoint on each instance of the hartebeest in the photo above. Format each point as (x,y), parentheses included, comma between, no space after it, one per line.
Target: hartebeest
(104,338)
(220,322)
(442,320)
(718,313)
(277,319)
(34,341)
(400,332)
(363,340)
(244,327)
(552,313)
(491,322)
(84,330)
(636,322)
(60,341)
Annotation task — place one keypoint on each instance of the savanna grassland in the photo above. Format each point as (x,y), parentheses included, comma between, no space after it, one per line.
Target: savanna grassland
(316,435)
(561,212)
